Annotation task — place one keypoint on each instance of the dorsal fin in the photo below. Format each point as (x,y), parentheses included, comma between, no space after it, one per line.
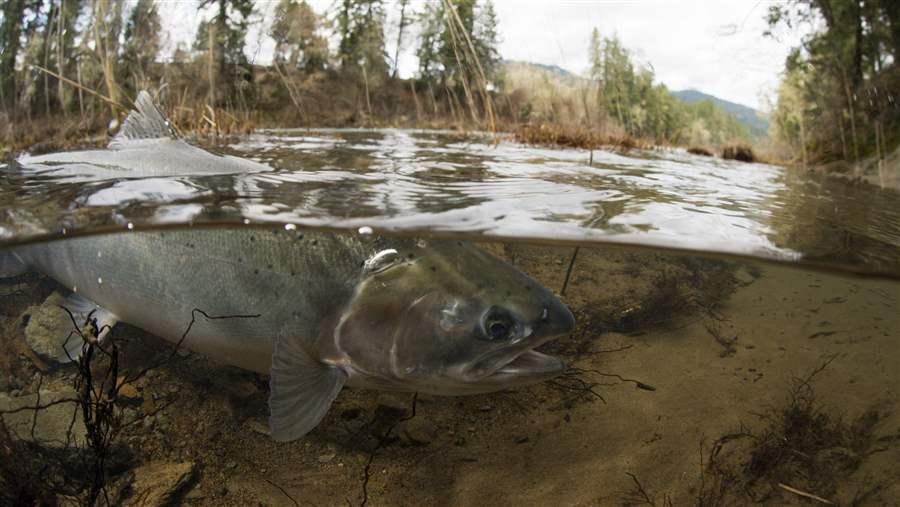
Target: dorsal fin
(145,121)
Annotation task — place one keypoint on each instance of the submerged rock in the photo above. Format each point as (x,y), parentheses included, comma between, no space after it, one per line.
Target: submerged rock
(57,425)
(162,483)
(44,325)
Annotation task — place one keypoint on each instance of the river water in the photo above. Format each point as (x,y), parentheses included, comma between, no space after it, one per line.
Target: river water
(736,333)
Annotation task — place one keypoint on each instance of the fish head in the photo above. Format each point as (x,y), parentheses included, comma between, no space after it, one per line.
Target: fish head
(449,318)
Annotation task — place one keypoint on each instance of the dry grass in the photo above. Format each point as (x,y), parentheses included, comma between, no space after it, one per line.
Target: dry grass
(699,150)
(574,137)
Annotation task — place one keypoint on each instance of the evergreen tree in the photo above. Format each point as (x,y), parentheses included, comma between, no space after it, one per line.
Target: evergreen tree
(401,26)
(295,32)
(10,44)
(841,78)
(142,42)
(223,37)
(361,28)
(458,38)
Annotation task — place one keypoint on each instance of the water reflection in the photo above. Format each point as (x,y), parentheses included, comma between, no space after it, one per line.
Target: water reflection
(440,181)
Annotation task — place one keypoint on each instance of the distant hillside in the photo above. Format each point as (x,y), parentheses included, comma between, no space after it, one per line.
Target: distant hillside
(758,124)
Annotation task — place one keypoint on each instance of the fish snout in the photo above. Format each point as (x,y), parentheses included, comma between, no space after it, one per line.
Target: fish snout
(556,319)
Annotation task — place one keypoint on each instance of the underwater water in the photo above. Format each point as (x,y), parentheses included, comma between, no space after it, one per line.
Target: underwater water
(735,339)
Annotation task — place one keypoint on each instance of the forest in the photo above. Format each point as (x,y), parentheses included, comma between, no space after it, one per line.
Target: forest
(68,67)
(838,97)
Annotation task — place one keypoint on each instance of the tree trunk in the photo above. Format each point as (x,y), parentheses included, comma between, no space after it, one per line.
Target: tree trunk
(10,30)
(403,23)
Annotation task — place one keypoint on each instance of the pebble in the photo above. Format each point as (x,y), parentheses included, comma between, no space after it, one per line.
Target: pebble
(129,393)
(231,465)
(129,415)
(258,427)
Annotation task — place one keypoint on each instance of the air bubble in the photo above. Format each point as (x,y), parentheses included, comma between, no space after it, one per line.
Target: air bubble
(290,227)
(99,281)
(130,226)
(365,230)
(246,221)
(421,243)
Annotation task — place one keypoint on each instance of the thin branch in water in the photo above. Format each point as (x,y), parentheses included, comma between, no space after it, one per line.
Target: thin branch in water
(184,335)
(284,492)
(562,292)
(639,384)
(382,440)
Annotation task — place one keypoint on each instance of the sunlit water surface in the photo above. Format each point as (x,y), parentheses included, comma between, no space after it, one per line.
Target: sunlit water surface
(403,180)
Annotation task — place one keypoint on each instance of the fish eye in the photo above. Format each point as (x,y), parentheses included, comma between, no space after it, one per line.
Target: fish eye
(498,325)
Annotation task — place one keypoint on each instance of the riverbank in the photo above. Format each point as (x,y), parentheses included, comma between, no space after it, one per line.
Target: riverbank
(882,172)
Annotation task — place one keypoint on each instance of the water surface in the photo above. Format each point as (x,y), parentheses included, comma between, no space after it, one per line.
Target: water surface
(413,181)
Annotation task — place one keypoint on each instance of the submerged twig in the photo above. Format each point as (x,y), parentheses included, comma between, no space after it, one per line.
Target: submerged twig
(562,292)
(804,494)
(283,491)
(184,335)
(382,440)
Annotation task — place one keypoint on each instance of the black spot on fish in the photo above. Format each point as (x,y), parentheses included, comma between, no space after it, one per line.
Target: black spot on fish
(434,268)
(240,261)
(410,256)
(508,293)
(252,238)
(269,267)
(527,287)
(292,273)
(255,271)
(315,242)
(300,237)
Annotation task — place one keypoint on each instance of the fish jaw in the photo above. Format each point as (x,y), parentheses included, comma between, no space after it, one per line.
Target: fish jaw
(521,364)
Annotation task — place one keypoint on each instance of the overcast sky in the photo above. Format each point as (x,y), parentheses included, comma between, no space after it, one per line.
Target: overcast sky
(716,46)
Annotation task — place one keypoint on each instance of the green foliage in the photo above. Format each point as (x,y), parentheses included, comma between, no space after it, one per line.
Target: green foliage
(453,38)
(297,41)
(142,42)
(841,79)
(227,30)
(361,29)
(627,95)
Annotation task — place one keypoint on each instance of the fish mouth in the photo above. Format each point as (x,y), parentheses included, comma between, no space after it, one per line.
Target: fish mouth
(532,363)
(525,367)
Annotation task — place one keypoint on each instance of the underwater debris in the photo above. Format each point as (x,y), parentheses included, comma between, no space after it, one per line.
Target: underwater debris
(801,450)
(638,495)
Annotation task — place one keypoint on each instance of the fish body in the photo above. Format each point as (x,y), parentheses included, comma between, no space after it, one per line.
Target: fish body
(318,310)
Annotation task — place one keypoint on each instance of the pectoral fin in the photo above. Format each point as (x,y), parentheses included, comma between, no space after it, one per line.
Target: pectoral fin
(301,390)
